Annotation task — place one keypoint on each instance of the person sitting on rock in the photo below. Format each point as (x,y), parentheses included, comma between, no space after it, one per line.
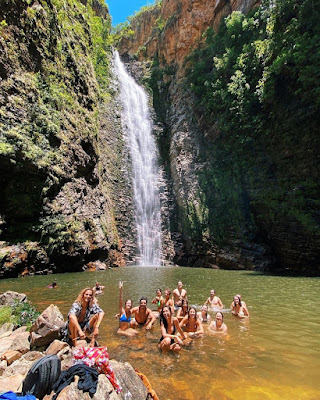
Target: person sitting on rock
(84,317)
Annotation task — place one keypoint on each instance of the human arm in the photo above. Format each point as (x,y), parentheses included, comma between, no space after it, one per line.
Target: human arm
(220,303)
(152,319)
(97,324)
(120,297)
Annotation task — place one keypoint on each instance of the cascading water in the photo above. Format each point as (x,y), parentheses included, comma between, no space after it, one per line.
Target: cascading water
(137,126)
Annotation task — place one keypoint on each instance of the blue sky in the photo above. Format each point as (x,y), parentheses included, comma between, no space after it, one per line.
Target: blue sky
(121,9)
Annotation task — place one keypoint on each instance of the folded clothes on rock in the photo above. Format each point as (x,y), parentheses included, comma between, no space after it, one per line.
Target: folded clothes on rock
(88,379)
(96,357)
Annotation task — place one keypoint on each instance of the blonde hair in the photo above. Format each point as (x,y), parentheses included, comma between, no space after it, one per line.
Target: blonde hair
(81,295)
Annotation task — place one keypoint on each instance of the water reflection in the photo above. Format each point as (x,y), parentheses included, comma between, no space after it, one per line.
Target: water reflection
(274,355)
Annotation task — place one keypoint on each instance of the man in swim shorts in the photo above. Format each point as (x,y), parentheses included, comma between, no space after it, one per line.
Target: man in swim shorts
(178,295)
(214,301)
(85,316)
(143,315)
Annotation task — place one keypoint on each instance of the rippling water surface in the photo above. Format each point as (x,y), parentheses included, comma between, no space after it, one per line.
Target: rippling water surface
(275,355)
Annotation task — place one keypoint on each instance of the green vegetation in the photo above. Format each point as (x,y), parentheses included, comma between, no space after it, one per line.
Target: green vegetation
(257,86)
(20,314)
(55,75)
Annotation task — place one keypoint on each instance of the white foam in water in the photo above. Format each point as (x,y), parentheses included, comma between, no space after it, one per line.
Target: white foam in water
(137,125)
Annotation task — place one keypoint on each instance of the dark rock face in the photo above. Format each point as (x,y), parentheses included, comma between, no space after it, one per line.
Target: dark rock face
(257,208)
(61,171)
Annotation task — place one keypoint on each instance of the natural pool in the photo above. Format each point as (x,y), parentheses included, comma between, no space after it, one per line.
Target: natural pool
(274,356)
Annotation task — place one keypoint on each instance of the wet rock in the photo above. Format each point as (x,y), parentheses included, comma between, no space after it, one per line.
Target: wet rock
(129,380)
(47,327)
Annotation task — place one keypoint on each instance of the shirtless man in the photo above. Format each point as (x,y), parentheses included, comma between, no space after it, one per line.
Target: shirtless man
(85,316)
(218,326)
(143,315)
(179,294)
(214,301)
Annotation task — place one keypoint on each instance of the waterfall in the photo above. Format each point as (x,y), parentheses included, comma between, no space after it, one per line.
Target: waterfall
(137,125)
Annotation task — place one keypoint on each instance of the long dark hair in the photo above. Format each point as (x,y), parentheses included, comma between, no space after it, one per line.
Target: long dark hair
(238,299)
(196,316)
(162,318)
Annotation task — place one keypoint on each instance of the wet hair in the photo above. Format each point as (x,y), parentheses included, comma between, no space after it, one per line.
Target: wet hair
(143,298)
(81,296)
(159,290)
(219,312)
(238,299)
(192,308)
(162,318)
(168,290)
(184,301)
(127,301)
(54,284)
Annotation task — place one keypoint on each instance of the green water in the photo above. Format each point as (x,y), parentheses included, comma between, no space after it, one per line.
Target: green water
(276,355)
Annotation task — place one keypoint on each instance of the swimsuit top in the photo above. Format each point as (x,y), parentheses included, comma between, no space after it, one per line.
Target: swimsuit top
(124,318)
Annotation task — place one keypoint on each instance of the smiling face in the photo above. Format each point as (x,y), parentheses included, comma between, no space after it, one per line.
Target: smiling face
(167,293)
(180,285)
(219,318)
(204,308)
(236,300)
(143,303)
(212,293)
(87,296)
(166,313)
(192,313)
(128,304)
(159,292)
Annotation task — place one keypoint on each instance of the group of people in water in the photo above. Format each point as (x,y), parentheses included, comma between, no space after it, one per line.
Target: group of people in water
(179,323)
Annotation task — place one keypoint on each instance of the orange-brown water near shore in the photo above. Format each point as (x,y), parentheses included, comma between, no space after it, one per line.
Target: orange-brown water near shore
(275,355)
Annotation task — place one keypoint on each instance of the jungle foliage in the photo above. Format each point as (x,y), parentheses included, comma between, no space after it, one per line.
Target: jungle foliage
(257,84)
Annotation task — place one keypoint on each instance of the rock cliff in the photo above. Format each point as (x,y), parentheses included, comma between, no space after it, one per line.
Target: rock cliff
(238,144)
(61,153)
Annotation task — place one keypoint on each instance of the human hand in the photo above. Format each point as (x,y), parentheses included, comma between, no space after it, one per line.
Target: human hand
(81,334)
(120,285)
(148,327)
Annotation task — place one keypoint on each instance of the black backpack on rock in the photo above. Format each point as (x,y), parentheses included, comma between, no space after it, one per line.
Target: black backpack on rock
(42,376)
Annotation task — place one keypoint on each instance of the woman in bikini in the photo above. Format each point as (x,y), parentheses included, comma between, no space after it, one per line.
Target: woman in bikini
(238,309)
(191,324)
(159,301)
(125,316)
(169,331)
(183,310)
(218,326)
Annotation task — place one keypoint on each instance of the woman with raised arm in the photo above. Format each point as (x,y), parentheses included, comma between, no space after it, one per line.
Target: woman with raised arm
(169,330)
(192,324)
(125,316)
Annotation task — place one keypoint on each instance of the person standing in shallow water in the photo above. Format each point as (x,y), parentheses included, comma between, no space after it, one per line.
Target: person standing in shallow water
(84,317)
(178,295)
(214,301)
